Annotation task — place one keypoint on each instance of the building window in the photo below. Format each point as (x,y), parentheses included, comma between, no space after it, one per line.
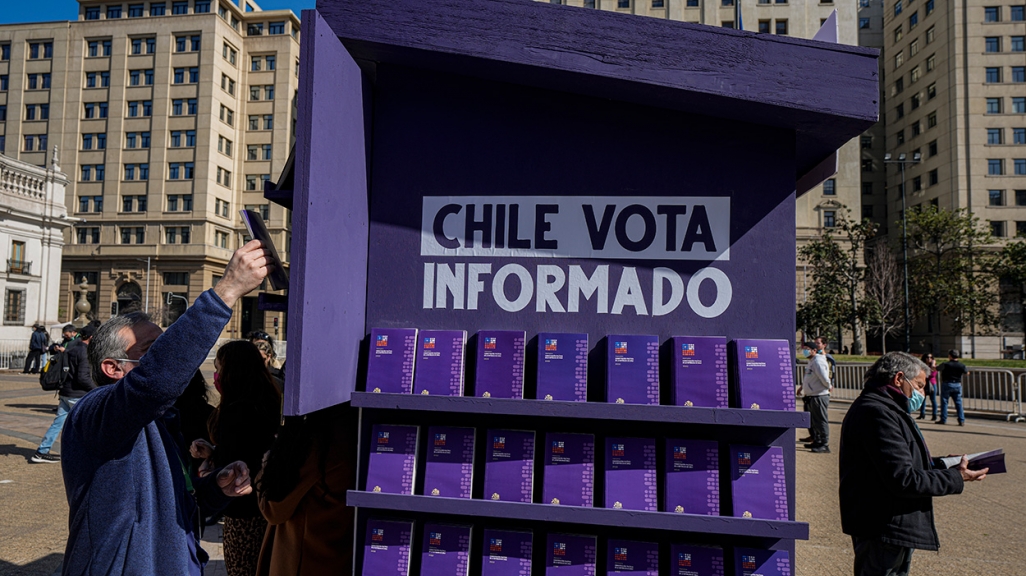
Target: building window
(897,7)
(229,54)
(1020,197)
(135,10)
(1018,44)
(221,239)
(867,188)
(781,28)
(930,33)
(863,24)
(1018,135)
(201,7)
(14,307)
(268,121)
(867,165)
(1020,228)
(917,183)
(914,75)
(992,14)
(255,63)
(931,91)
(899,59)
(255,29)
(933,177)
(92,13)
(916,100)
(995,135)
(829,218)
(268,92)
(916,128)
(90,235)
(133,235)
(993,105)
(1019,165)
(179,76)
(113,12)
(224,145)
(898,34)
(180,8)
(900,110)
(221,207)
(997,229)
(279,27)
(129,171)
(992,44)
(1018,105)
(929,7)
(899,137)
(913,48)
(995,167)
(224,177)
(913,20)
(267,151)
(931,62)
(1018,74)
(830,187)
(993,75)
(227,115)
(251,181)
(1018,13)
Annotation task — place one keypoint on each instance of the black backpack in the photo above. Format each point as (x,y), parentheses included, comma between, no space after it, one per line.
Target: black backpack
(53,376)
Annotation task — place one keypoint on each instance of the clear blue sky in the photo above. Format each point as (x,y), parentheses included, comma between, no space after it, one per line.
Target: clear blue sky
(16,11)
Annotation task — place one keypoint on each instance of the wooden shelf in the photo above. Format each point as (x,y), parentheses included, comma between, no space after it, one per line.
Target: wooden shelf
(583,410)
(724,525)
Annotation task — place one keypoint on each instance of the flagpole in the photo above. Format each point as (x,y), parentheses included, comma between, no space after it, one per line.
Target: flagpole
(737,16)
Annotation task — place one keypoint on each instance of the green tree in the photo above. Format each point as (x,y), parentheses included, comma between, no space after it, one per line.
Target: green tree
(948,270)
(838,274)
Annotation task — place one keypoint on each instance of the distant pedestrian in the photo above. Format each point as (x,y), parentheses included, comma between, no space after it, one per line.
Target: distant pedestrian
(888,479)
(68,335)
(78,382)
(844,351)
(951,373)
(931,387)
(37,346)
(816,387)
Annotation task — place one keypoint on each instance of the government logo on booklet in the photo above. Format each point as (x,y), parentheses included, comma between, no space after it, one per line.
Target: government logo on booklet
(495,545)
(498,442)
(620,554)
(619,347)
(435,539)
(617,450)
(550,344)
(557,447)
(683,560)
(429,342)
(439,439)
(748,562)
(744,458)
(382,437)
(382,340)
(687,349)
(559,549)
(752,352)
(680,452)
(489,343)
(377,535)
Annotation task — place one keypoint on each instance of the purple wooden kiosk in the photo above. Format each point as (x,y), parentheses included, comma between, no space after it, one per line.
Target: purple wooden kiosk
(513,165)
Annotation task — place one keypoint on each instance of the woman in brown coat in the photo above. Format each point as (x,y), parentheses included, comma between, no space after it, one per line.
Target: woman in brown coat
(301,491)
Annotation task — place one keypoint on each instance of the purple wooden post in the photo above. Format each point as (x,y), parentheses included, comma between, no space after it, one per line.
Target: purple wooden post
(329,235)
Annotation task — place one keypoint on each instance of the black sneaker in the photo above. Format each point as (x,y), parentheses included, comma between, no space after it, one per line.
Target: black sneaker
(806,439)
(812,445)
(40,458)
(821,449)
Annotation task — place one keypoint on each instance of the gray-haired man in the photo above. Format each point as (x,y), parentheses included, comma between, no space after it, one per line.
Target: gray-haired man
(888,479)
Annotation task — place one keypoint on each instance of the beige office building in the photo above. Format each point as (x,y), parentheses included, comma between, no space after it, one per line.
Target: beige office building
(956,93)
(168,116)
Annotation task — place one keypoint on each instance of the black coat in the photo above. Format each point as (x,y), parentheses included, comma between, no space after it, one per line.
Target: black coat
(888,479)
(80,375)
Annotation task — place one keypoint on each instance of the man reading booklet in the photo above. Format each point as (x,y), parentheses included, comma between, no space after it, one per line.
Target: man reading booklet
(993,461)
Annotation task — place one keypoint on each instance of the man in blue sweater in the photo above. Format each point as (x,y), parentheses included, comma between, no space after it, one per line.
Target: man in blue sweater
(134,506)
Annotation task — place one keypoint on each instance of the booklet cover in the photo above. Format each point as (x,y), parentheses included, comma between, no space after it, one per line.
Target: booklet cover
(630,474)
(449,469)
(632,369)
(509,466)
(390,360)
(764,374)
(562,367)
(386,548)
(277,275)
(993,459)
(752,562)
(630,557)
(757,482)
(439,362)
(392,459)
(692,477)
(691,560)
(500,364)
(506,553)
(569,476)
(700,371)
(445,550)
(571,555)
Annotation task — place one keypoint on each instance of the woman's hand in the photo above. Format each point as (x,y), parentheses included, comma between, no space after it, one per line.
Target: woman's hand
(200,448)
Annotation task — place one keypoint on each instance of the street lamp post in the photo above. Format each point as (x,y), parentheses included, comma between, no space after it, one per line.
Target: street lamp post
(146,301)
(902,161)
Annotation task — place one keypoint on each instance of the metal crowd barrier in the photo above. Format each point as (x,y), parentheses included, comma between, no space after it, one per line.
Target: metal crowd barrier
(12,354)
(983,389)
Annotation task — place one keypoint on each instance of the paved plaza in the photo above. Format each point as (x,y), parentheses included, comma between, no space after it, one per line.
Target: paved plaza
(981,530)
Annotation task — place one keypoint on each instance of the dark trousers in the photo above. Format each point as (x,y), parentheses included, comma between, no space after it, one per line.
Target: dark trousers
(820,426)
(32,363)
(931,390)
(876,558)
(805,407)
(951,390)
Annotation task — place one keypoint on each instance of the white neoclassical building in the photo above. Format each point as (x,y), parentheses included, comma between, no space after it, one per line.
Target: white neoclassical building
(33,216)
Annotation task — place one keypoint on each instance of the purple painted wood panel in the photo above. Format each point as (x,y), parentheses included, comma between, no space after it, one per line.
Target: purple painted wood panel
(826,92)
(330,225)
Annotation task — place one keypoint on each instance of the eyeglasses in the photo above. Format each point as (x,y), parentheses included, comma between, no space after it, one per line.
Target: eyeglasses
(125,360)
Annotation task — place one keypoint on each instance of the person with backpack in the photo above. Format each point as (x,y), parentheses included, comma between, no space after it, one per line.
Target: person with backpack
(37,345)
(75,378)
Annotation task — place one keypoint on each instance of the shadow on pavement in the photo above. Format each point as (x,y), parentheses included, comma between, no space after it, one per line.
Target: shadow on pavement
(44,408)
(12,450)
(45,566)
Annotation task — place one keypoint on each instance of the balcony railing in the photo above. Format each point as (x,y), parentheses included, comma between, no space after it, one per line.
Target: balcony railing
(19,267)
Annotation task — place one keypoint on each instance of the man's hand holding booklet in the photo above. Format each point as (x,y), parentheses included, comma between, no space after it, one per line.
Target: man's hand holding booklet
(994,459)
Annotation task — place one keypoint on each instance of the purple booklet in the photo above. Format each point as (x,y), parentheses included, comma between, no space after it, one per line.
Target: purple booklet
(571,555)
(449,469)
(440,362)
(509,466)
(629,557)
(753,562)
(757,483)
(390,361)
(692,477)
(386,548)
(632,369)
(506,553)
(500,364)
(562,367)
(690,560)
(569,477)
(392,459)
(700,371)
(446,550)
(630,474)
(764,374)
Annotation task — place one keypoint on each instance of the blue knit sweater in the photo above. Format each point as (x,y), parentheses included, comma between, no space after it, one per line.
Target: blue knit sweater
(122,461)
